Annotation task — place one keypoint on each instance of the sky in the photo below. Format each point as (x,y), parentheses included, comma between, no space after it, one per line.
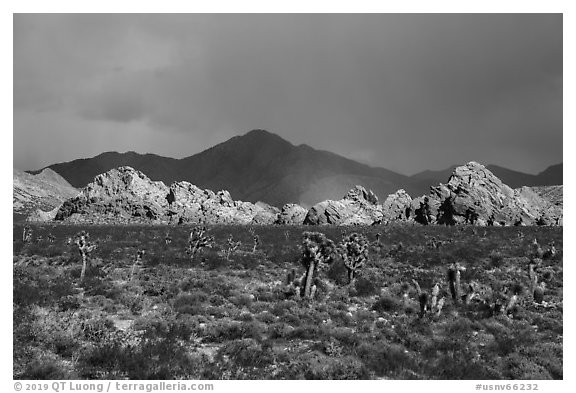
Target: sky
(407,92)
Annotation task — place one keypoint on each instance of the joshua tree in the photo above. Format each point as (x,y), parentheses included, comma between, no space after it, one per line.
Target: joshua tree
(51,238)
(85,248)
(317,251)
(197,241)
(232,246)
(454,279)
(168,239)
(137,261)
(354,252)
(256,243)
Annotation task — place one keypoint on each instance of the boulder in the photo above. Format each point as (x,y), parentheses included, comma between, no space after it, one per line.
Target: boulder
(267,214)
(292,214)
(397,206)
(358,207)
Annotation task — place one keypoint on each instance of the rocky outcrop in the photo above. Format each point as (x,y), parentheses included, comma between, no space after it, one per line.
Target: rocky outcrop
(125,195)
(266,215)
(292,214)
(474,195)
(358,207)
(397,206)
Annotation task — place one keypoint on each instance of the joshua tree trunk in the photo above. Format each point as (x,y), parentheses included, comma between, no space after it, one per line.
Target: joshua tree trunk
(350,277)
(84,263)
(457,287)
(309,279)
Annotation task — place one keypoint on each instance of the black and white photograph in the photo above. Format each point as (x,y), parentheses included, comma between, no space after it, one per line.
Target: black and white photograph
(287,196)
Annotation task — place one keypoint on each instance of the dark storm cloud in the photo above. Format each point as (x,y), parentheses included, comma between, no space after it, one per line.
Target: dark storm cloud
(407,92)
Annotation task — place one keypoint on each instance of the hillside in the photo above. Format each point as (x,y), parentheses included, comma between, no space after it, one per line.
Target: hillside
(45,191)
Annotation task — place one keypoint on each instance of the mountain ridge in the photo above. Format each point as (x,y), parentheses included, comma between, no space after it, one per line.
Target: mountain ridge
(262,166)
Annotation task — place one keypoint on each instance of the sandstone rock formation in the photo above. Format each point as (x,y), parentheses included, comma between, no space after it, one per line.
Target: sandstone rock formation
(473,195)
(125,195)
(358,207)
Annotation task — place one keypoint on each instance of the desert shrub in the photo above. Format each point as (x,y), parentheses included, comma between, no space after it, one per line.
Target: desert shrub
(279,330)
(219,312)
(290,319)
(342,318)
(365,287)
(222,331)
(496,259)
(213,261)
(283,307)
(521,367)
(245,317)
(266,317)
(39,286)
(384,358)
(338,273)
(305,332)
(315,366)
(245,353)
(160,358)
(217,300)
(46,369)
(387,303)
(242,300)
(247,261)
(170,328)
(97,329)
(547,355)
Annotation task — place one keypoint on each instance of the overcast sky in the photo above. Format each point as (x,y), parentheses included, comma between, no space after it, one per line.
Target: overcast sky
(404,92)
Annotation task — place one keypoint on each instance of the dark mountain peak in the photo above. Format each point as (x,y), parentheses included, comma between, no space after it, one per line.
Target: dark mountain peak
(263,137)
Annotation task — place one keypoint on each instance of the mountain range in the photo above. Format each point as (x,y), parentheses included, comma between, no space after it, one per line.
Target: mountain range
(262,166)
